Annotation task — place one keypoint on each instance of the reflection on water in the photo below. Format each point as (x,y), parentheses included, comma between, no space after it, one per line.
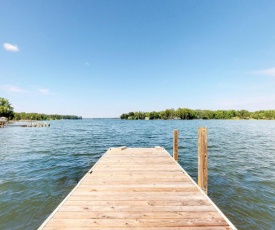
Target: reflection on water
(39,166)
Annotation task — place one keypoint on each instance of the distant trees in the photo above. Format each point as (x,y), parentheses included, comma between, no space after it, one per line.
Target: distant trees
(189,114)
(41,116)
(134,116)
(186,114)
(6,110)
(264,114)
(154,115)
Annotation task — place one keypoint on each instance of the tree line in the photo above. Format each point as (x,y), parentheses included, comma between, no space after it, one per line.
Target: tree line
(42,117)
(6,110)
(189,114)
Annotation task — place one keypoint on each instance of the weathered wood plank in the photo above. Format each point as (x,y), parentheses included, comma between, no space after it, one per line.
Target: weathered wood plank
(129,196)
(80,196)
(137,180)
(199,208)
(138,189)
(138,222)
(138,174)
(140,228)
(182,202)
(136,215)
(178,183)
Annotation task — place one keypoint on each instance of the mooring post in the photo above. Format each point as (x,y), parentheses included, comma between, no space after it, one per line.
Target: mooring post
(176,145)
(202,159)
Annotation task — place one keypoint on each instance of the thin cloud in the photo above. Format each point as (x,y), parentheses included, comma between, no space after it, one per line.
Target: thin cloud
(10,47)
(88,63)
(43,91)
(16,89)
(13,89)
(267,72)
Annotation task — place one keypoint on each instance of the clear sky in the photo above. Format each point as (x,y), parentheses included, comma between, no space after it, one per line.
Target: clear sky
(104,58)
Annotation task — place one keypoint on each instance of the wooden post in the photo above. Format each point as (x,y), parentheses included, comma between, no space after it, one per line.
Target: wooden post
(202,159)
(175,145)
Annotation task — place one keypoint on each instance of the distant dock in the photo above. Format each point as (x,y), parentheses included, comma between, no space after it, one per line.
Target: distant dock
(2,124)
(137,188)
(3,121)
(36,124)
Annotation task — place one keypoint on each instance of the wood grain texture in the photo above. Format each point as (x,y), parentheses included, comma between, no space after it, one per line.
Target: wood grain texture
(202,159)
(137,189)
(176,145)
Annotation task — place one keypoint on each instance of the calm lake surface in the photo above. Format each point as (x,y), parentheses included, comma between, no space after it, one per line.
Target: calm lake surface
(40,166)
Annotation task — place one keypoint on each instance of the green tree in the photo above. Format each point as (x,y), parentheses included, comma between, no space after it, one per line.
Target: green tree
(124,116)
(169,113)
(185,114)
(6,110)
(153,115)
(243,114)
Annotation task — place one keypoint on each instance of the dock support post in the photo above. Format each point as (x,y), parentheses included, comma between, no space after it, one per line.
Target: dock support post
(175,145)
(202,159)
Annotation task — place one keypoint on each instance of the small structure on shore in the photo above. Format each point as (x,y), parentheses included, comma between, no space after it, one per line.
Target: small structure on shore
(3,121)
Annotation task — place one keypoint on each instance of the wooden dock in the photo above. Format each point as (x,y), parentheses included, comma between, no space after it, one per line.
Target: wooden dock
(137,188)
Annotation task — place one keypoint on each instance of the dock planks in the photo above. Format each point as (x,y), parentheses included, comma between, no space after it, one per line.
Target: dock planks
(137,188)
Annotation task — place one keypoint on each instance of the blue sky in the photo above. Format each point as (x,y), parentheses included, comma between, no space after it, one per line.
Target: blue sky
(104,58)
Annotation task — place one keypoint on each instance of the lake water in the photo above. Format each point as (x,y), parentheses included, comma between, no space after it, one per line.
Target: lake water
(40,166)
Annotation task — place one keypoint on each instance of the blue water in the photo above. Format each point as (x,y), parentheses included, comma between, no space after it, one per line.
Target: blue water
(40,166)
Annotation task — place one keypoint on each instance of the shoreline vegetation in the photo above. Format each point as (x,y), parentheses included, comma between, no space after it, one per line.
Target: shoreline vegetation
(6,111)
(190,114)
(42,117)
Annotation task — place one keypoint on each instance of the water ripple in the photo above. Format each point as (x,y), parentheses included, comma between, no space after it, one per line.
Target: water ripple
(40,166)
